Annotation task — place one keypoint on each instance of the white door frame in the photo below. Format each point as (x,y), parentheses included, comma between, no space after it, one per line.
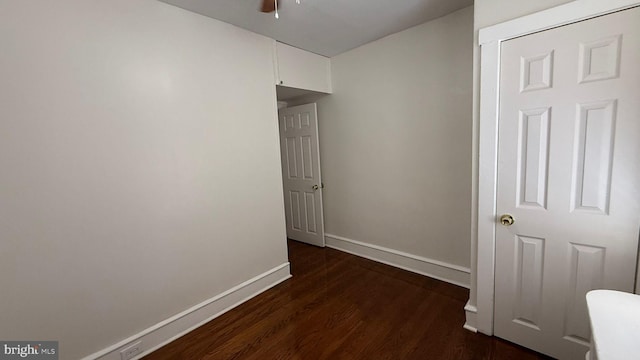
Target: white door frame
(490,39)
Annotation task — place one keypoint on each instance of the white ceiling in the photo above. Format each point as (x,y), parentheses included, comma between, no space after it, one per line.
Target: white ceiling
(325,27)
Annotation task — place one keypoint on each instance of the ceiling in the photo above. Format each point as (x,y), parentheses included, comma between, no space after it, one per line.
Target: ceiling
(325,27)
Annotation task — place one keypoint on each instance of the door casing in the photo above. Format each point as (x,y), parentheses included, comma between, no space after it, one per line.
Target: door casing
(480,308)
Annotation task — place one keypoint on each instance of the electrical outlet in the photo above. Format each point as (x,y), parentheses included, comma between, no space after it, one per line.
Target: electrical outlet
(131,351)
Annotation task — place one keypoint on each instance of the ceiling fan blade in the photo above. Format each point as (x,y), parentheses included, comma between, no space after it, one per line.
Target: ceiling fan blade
(268,6)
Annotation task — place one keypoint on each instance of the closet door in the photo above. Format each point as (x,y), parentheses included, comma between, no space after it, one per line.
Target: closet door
(568,178)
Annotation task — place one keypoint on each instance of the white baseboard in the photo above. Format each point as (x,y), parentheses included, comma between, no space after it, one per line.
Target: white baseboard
(436,269)
(180,324)
(471,313)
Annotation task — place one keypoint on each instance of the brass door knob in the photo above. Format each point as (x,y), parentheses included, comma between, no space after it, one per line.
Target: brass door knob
(315,187)
(507,220)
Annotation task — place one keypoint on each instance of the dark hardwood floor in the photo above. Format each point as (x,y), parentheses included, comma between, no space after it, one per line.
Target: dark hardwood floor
(340,306)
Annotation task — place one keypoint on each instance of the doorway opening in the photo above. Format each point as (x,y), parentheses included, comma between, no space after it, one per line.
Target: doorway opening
(300,160)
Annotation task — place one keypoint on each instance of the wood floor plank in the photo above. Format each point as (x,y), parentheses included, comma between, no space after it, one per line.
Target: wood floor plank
(340,306)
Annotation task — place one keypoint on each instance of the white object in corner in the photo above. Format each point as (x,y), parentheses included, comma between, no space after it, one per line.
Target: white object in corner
(301,69)
(180,324)
(471,316)
(453,274)
(615,324)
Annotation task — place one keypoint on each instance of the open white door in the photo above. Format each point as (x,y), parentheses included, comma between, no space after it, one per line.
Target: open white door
(569,178)
(301,174)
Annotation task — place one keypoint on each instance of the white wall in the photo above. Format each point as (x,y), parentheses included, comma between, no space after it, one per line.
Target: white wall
(487,13)
(140,167)
(491,12)
(395,141)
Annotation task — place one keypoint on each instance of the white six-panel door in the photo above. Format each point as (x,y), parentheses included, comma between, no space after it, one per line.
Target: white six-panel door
(569,176)
(301,174)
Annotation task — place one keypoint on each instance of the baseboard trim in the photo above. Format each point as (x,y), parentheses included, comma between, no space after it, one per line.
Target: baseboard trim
(471,314)
(453,274)
(188,320)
